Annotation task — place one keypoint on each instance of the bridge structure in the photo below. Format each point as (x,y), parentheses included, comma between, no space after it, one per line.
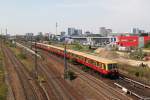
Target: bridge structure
(97,41)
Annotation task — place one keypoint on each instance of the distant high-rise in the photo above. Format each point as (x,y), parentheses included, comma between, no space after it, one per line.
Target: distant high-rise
(75,32)
(29,36)
(104,31)
(137,31)
(40,33)
(78,32)
(47,35)
(71,31)
(39,36)
(142,31)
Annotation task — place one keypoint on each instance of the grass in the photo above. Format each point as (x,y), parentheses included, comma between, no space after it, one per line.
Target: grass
(3,91)
(3,86)
(138,72)
(23,58)
(76,47)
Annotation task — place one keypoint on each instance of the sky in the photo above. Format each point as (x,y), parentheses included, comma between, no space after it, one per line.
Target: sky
(22,16)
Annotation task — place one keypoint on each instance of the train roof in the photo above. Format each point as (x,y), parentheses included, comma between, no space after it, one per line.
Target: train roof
(93,57)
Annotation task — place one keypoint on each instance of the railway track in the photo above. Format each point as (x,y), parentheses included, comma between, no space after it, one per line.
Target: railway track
(98,86)
(56,87)
(111,92)
(61,88)
(135,88)
(13,78)
(131,86)
(47,84)
(29,88)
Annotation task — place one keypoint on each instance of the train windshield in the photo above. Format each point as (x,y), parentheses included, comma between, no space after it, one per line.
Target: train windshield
(112,66)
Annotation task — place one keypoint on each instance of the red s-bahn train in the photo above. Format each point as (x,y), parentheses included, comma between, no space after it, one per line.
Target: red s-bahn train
(103,66)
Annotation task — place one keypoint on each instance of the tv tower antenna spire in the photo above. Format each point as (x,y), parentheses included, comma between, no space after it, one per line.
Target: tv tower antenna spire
(56,28)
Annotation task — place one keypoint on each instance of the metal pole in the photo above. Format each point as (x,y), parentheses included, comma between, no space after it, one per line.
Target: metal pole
(31,42)
(6,34)
(56,28)
(65,63)
(35,60)
(1,38)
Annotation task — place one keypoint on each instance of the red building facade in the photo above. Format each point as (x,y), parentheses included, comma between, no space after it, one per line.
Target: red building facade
(132,41)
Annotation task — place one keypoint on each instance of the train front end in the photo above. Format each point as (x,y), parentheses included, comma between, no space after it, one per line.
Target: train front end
(113,70)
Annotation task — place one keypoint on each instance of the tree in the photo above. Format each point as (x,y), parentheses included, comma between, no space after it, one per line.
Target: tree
(137,54)
(78,46)
(147,45)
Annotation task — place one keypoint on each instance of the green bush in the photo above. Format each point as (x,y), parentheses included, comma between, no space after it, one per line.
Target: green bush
(138,54)
(147,45)
(3,91)
(70,75)
(86,69)
(77,46)
(137,74)
(140,72)
(3,86)
(22,56)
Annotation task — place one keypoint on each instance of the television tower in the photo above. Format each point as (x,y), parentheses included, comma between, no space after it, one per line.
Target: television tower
(1,37)
(1,31)
(56,28)
(6,31)
(6,34)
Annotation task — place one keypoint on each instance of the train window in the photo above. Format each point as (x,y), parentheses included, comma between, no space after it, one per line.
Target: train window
(77,57)
(104,66)
(92,62)
(112,66)
(73,55)
(82,58)
(88,60)
(99,64)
